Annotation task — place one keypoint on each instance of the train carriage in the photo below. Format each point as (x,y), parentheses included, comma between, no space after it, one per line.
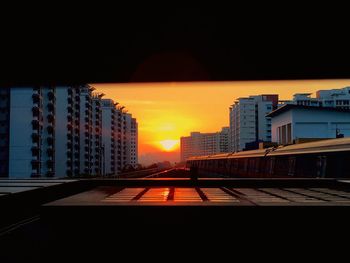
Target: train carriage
(321,159)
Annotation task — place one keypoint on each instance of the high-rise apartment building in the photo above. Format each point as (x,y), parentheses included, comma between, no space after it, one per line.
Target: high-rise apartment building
(248,121)
(86,129)
(4,131)
(109,124)
(61,131)
(32,125)
(96,134)
(131,140)
(198,144)
(134,143)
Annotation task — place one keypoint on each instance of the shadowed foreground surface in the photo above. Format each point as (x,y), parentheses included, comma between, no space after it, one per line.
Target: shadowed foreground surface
(140,219)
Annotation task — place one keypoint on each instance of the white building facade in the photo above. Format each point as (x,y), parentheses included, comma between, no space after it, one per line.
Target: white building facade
(248,121)
(291,122)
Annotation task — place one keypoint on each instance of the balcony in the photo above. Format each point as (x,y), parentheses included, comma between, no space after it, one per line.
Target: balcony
(77,107)
(50,129)
(76,163)
(36,98)
(35,164)
(76,147)
(35,151)
(76,155)
(70,91)
(77,98)
(50,118)
(50,141)
(36,124)
(77,114)
(50,164)
(35,137)
(36,111)
(50,152)
(51,95)
(76,138)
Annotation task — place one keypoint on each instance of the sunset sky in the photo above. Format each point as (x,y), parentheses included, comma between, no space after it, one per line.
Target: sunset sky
(167,111)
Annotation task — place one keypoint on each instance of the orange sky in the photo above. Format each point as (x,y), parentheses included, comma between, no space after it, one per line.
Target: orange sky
(167,111)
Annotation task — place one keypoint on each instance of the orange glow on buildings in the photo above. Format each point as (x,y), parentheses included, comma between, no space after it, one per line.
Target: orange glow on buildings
(167,111)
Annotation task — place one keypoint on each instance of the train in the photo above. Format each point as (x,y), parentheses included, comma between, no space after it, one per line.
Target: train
(320,159)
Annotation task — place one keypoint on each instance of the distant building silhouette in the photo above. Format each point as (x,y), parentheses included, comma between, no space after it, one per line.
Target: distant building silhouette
(204,143)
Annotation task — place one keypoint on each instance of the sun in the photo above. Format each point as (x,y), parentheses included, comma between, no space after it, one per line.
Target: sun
(169,145)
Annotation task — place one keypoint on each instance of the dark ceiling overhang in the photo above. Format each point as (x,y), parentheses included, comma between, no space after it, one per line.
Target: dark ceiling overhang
(173,45)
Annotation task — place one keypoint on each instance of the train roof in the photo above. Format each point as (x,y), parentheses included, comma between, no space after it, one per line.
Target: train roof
(331,145)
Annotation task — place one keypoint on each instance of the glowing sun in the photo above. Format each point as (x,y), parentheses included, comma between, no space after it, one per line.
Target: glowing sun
(169,145)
